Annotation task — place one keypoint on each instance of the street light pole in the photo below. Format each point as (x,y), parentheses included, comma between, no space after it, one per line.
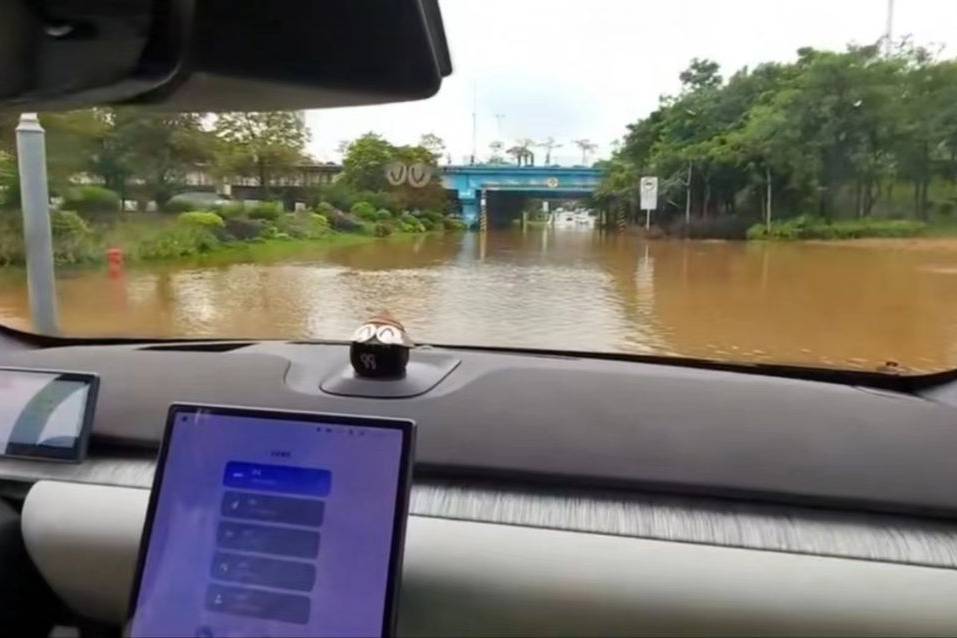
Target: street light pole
(889,30)
(37,236)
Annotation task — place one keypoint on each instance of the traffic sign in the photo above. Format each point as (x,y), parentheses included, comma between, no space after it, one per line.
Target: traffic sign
(649,193)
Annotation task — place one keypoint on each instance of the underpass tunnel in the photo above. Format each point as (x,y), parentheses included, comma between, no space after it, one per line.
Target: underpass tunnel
(504,208)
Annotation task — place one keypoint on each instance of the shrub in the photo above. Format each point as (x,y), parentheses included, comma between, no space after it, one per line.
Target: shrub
(945,209)
(231,211)
(178,206)
(345,222)
(268,211)
(410,223)
(383,229)
(383,215)
(243,229)
(433,216)
(379,199)
(364,211)
(326,209)
(807,227)
(269,231)
(450,223)
(178,241)
(303,225)
(73,239)
(11,240)
(366,228)
(202,219)
(92,200)
(428,224)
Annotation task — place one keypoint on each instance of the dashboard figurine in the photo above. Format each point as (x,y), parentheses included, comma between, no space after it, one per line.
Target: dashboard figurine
(380,348)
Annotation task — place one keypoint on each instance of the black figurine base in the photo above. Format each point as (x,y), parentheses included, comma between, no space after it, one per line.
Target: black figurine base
(377,360)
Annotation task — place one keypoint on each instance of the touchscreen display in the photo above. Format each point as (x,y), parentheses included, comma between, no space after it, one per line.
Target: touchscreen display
(273,524)
(45,414)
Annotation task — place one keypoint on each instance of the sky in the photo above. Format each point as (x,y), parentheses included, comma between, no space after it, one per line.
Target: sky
(574,69)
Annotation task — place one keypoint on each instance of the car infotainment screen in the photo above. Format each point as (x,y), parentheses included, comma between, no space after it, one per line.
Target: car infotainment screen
(46,414)
(266,523)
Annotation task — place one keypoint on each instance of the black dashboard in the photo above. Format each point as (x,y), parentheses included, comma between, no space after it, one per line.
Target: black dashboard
(565,444)
(568,421)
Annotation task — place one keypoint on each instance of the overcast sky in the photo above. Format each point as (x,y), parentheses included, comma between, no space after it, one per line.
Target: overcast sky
(575,69)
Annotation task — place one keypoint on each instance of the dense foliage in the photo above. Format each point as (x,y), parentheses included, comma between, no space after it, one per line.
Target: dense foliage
(832,134)
(92,200)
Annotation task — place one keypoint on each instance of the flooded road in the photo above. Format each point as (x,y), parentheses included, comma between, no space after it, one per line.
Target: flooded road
(854,305)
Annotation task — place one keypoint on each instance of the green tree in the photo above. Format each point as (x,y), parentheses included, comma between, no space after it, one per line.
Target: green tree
(365,161)
(154,149)
(263,146)
(831,131)
(434,144)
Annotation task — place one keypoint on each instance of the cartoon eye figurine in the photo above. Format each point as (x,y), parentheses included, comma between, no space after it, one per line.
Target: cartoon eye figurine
(380,348)
(365,332)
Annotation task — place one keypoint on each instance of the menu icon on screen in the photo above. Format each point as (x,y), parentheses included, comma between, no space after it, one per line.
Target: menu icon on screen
(267,541)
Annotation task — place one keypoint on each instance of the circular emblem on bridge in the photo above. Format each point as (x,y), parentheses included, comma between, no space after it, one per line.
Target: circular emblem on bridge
(395,173)
(552,182)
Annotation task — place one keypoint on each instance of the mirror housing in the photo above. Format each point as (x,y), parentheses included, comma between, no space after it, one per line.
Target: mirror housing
(219,55)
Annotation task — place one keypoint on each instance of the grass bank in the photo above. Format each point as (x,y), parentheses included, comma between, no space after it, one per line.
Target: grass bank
(261,233)
(806,227)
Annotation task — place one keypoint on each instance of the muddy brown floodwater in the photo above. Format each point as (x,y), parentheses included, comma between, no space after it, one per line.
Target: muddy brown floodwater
(847,304)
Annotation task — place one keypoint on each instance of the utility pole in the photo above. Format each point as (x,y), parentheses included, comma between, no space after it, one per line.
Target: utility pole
(889,30)
(37,236)
(474,119)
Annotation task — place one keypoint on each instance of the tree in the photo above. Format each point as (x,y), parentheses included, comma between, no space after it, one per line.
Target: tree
(261,145)
(154,148)
(364,168)
(549,144)
(586,146)
(434,144)
(497,147)
(701,74)
(365,162)
(831,132)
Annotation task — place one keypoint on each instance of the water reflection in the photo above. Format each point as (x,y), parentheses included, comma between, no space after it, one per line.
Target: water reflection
(835,304)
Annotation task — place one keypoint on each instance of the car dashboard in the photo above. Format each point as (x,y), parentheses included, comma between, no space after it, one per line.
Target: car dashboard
(557,494)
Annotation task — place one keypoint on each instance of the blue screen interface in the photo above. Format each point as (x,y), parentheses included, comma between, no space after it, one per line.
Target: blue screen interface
(267,527)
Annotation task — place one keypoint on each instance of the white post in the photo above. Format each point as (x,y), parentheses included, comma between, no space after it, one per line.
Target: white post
(37,236)
(647,218)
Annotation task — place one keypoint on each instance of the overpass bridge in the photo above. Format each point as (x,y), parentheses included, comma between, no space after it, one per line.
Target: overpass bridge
(472,184)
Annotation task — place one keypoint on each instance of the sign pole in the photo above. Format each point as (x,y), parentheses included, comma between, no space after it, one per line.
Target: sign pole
(649,197)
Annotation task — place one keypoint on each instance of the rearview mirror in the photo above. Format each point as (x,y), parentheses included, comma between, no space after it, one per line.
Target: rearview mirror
(219,55)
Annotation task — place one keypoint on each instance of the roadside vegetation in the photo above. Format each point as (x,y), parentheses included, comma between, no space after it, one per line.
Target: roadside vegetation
(832,145)
(91,219)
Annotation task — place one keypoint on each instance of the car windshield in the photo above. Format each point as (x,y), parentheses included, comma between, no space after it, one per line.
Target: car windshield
(746,181)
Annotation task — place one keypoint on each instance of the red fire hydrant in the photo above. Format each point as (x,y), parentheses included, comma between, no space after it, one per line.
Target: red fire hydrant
(114,257)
